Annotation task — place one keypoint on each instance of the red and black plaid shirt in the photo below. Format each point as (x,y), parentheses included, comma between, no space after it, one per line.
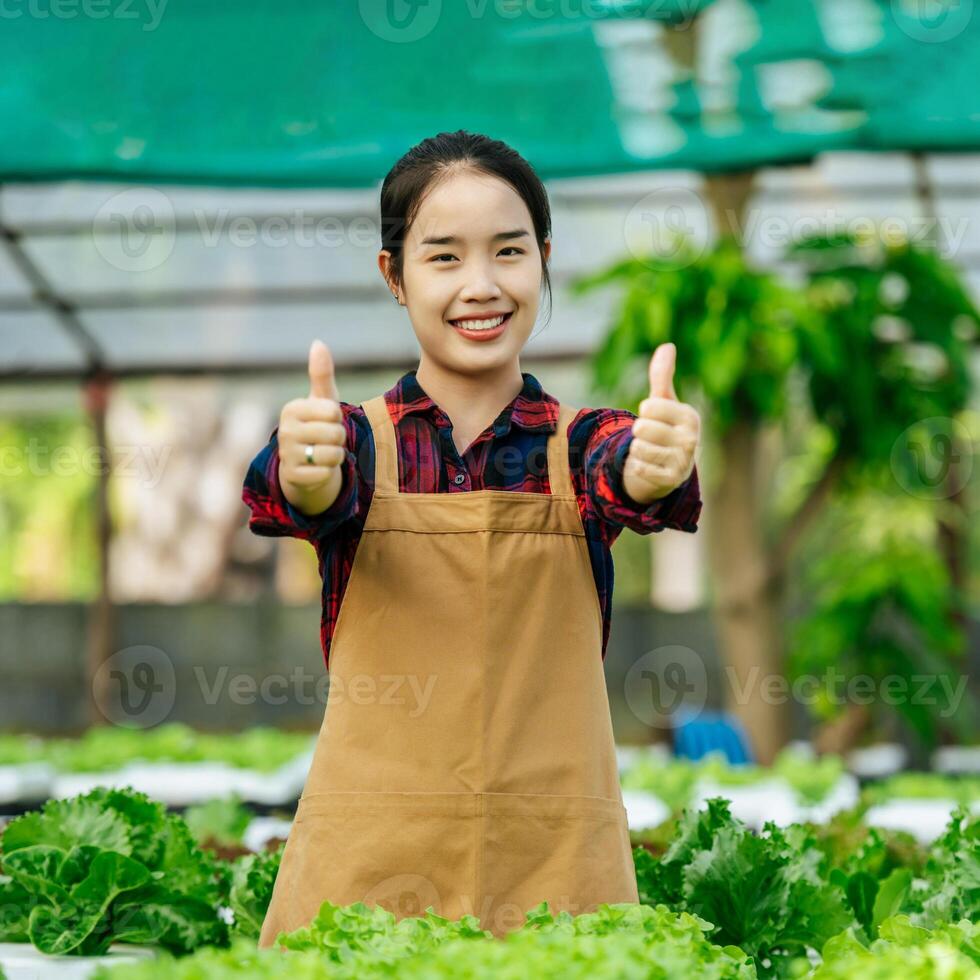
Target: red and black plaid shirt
(498,459)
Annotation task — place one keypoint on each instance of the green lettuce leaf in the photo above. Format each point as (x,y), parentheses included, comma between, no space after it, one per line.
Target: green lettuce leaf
(109,866)
(253,877)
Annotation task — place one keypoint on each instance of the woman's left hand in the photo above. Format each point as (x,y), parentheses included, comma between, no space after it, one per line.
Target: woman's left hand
(666,433)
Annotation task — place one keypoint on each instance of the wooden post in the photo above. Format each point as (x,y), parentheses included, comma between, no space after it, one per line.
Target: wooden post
(101,620)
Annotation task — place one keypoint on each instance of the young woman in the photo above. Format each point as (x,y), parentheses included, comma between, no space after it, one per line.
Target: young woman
(463,521)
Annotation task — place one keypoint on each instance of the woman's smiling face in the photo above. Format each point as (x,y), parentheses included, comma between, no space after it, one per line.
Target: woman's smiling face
(470,252)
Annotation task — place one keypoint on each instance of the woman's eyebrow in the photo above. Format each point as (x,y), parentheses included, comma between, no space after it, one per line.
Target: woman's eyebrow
(453,240)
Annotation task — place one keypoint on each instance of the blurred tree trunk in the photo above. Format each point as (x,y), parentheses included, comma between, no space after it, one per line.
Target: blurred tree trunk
(844,732)
(747,605)
(954,520)
(747,593)
(102,615)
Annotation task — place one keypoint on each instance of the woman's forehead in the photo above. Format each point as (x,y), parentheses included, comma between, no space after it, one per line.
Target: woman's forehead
(468,207)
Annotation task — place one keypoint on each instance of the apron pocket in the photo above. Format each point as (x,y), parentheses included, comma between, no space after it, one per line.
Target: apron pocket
(572,851)
(403,851)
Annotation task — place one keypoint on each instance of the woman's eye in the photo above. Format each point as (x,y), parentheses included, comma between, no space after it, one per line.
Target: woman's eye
(449,255)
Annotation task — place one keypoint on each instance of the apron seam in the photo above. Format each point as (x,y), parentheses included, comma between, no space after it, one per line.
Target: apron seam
(466,494)
(312,797)
(472,530)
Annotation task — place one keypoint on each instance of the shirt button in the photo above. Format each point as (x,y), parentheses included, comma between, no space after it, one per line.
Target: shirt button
(459,478)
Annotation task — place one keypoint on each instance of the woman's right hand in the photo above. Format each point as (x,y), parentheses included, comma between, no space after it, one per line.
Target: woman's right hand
(316,421)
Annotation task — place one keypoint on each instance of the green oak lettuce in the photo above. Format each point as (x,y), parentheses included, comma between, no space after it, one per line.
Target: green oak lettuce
(904,951)
(358,942)
(108,866)
(952,873)
(252,880)
(765,893)
(220,822)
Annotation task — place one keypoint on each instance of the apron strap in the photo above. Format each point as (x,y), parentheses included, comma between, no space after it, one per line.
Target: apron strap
(559,465)
(385,445)
(386,449)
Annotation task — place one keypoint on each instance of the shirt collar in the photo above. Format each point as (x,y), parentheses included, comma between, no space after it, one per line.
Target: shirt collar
(532,409)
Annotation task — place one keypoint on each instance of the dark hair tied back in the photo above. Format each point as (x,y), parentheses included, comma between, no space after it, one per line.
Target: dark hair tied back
(443,155)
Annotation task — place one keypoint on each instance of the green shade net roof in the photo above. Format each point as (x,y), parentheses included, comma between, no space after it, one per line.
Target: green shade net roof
(331,94)
(268,111)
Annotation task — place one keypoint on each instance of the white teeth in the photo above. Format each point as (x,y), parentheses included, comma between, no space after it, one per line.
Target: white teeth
(480,324)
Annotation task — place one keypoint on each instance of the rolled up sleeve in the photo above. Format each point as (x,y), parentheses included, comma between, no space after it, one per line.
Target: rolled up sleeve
(272,515)
(608,448)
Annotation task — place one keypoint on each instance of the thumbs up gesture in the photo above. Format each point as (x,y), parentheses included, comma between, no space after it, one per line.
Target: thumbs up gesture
(665,435)
(312,439)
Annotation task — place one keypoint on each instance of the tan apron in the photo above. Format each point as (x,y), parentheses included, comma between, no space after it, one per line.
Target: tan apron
(466,758)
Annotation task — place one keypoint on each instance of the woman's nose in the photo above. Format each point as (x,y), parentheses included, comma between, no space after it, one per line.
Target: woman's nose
(480,292)
(480,286)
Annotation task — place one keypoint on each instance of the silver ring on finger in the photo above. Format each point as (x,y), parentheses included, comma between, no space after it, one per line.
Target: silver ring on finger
(309,454)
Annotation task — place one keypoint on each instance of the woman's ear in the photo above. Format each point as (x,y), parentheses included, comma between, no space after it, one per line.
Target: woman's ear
(546,251)
(384,264)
